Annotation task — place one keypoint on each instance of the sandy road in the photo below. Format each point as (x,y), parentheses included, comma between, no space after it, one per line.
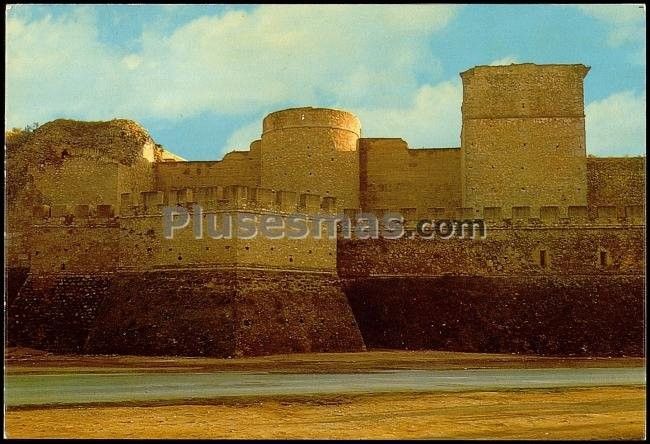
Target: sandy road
(587,413)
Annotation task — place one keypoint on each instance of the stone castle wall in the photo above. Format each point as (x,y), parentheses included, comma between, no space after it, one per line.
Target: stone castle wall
(560,272)
(236,168)
(495,295)
(142,246)
(616,181)
(134,178)
(79,180)
(55,311)
(505,251)
(523,91)
(392,176)
(91,239)
(213,312)
(82,247)
(565,315)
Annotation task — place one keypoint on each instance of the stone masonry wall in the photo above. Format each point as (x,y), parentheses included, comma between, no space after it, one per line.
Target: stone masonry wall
(289,312)
(616,180)
(167,313)
(546,315)
(312,150)
(236,168)
(220,312)
(497,295)
(82,248)
(504,252)
(135,178)
(524,162)
(55,312)
(73,162)
(523,136)
(393,177)
(78,180)
(15,277)
(523,90)
(143,246)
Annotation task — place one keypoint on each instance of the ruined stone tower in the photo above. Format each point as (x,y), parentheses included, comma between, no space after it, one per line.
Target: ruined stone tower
(523,137)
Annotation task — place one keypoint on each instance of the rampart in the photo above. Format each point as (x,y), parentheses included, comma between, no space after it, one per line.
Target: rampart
(549,290)
(121,286)
(91,239)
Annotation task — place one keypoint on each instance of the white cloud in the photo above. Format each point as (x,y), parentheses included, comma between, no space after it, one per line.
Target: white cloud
(236,62)
(56,67)
(132,61)
(616,125)
(508,60)
(432,119)
(242,138)
(626,23)
(362,58)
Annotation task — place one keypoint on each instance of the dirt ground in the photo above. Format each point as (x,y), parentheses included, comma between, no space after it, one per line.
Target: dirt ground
(24,360)
(572,413)
(595,413)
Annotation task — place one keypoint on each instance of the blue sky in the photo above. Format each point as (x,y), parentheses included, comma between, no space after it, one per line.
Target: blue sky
(201,77)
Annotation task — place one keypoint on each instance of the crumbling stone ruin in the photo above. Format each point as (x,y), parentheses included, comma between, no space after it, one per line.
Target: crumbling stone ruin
(561,270)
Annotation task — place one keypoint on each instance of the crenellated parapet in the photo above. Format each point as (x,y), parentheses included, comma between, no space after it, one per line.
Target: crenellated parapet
(233,197)
(132,237)
(81,214)
(519,215)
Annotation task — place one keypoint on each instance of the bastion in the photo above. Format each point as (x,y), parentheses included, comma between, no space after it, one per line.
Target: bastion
(559,272)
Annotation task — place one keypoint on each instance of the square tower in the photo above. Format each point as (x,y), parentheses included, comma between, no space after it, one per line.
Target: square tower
(523,137)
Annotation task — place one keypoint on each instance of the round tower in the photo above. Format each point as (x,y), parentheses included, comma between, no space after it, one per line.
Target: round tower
(312,150)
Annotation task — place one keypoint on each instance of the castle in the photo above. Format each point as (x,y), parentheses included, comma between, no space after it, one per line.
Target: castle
(560,272)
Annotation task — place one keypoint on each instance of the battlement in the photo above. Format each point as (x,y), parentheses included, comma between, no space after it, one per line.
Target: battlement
(233,197)
(550,215)
(83,214)
(242,198)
